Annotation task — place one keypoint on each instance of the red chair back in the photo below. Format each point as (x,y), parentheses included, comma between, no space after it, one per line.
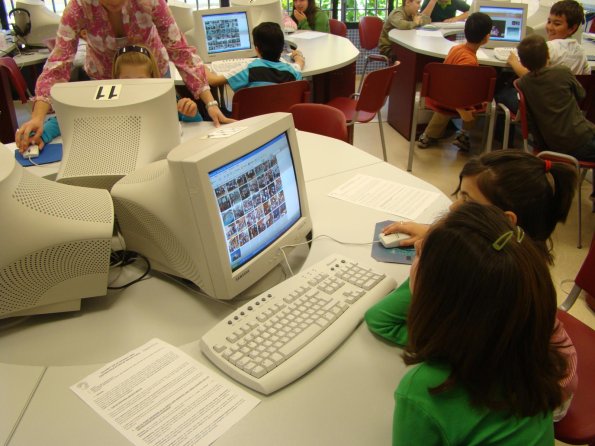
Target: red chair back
(321,119)
(522,111)
(586,275)
(255,101)
(337,27)
(16,77)
(375,89)
(369,28)
(578,426)
(457,86)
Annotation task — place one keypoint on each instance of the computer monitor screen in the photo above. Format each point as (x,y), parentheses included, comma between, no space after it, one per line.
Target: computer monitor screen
(219,210)
(509,22)
(258,199)
(262,10)
(110,128)
(224,33)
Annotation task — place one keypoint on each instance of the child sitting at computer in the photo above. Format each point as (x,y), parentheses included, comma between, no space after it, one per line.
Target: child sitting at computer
(479,334)
(477,32)
(551,94)
(132,62)
(564,20)
(267,68)
(405,17)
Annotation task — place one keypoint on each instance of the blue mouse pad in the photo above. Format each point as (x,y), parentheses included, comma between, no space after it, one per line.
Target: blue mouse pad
(390,255)
(49,154)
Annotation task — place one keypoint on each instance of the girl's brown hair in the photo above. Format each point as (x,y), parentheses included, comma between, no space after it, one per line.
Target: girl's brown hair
(540,194)
(488,313)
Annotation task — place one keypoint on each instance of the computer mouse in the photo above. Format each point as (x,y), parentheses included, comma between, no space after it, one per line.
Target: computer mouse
(31,152)
(290,45)
(430,27)
(391,240)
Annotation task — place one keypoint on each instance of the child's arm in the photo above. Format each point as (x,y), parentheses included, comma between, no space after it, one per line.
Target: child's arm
(298,58)
(458,18)
(388,318)
(215,79)
(427,10)
(187,107)
(51,130)
(516,65)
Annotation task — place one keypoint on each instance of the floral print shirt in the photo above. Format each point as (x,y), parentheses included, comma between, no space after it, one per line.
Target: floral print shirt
(147,22)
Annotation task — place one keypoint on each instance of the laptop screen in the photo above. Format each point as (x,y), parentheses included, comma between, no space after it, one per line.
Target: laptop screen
(508,23)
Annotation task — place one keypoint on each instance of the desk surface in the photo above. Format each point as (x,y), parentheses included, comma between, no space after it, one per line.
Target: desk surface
(347,399)
(438,46)
(324,53)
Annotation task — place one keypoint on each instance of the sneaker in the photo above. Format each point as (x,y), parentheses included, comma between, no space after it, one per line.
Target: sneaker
(425,141)
(462,142)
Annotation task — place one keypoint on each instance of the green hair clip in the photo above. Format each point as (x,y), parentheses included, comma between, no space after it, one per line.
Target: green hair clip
(504,238)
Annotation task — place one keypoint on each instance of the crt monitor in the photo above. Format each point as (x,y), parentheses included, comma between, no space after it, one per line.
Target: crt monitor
(182,13)
(262,10)
(112,127)
(218,210)
(56,242)
(44,23)
(224,33)
(509,22)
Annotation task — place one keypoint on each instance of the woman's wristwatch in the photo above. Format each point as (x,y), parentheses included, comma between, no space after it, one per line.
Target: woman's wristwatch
(212,104)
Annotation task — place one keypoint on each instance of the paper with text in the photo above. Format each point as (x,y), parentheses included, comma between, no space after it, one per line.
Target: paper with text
(386,196)
(158,395)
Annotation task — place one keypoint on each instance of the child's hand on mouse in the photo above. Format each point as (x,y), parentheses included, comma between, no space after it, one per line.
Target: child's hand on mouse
(416,231)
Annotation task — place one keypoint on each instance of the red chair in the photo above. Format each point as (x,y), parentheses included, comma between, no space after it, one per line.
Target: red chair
(321,119)
(10,77)
(363,106)
(578,426)
(447,87)
(337,27)
(370,28)
(582,167)
(255,101)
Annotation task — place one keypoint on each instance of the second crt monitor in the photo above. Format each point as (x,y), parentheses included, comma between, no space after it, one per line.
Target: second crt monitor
(509,22)
(224,33)
(218,211)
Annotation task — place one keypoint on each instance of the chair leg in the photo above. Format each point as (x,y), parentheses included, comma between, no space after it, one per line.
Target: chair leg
(582,175)
(491,125)
(384,155)
(506,128)
(413,131)
(361,80)
(350,129)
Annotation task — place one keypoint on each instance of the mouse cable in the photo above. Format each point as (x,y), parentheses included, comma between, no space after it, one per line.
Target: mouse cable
(124,258)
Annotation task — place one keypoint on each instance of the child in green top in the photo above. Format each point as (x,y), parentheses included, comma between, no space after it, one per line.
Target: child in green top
(479,327)
(309,16)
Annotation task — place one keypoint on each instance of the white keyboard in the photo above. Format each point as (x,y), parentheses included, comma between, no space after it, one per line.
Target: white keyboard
(283,333)
(227,65)
(503,52)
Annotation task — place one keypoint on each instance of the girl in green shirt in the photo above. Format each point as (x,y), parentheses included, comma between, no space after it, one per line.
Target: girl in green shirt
(309,16)
(479,326)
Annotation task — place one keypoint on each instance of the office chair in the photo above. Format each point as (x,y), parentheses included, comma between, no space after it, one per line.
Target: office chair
(320,119)
(255,101)
(447,87)
(10,75)
(578,426)
(582,167)
(370,28)
(364,105)
(337,27)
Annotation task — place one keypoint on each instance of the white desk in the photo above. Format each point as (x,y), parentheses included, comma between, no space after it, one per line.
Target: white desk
(346,400)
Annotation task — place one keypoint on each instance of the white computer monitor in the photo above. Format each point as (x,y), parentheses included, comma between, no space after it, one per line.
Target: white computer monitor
(224,33)
(262,10)
(218,210)
(182,13)
(509,22)
(44,23)
(110,128)
(56,242)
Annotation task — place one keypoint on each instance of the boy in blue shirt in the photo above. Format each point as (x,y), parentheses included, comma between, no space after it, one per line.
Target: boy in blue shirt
(267,68)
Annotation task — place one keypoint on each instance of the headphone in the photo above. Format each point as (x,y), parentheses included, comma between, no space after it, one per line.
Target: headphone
(17,13)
